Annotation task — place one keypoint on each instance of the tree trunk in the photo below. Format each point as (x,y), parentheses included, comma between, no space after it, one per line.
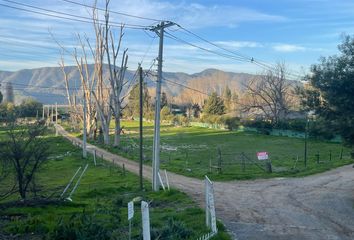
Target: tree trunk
(106,136)
(21,189)
(117,132)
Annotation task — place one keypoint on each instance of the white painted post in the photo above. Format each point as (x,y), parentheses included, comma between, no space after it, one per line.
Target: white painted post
(130,217)
(77,183)
(51,117)
(211,205)
(207,211)
(48,113)
(94,157)
(167,182)
(161,182)
(70,182)
(146,220)
(56,119)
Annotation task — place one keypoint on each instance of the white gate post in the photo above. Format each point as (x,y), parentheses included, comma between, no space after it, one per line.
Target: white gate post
(146,220)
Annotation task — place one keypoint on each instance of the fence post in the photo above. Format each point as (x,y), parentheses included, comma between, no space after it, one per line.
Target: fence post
(341,154)
(210,167)
(219,161)
(186,159)
(243,162)
(318,157)
(94,157)
(330,155)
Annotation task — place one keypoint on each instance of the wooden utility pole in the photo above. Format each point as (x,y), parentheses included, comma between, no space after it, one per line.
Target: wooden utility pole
(84,137)
(48,113)
(56,118)
(306,136)
(141,126)
(51,117)
(159,30)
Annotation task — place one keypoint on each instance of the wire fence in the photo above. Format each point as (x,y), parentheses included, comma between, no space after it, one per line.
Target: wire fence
(198,160)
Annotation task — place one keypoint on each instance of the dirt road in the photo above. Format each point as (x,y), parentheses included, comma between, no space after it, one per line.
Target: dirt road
(315,207)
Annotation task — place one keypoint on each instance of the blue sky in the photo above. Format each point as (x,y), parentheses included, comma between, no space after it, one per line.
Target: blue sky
(296,32)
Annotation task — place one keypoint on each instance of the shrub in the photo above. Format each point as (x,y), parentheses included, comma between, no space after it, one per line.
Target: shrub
(80,226)
(174,229)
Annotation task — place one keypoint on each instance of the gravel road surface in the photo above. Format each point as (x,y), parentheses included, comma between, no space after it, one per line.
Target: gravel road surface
(320,206)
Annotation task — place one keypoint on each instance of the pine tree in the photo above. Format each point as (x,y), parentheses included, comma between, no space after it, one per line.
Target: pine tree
(134,105)
(164,101)
(214,105)
(227,97)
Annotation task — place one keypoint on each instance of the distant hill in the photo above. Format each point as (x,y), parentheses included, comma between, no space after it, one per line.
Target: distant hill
(47,84)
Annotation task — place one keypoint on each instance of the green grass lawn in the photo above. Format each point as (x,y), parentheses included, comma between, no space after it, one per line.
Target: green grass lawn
(99,206)
(192,150)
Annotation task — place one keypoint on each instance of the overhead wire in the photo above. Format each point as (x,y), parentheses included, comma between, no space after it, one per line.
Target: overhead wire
(66,16)
(231,54)
(115,12)
(241,56)
(171,36)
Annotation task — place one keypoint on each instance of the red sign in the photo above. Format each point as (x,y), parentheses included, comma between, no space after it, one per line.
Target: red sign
(262,155)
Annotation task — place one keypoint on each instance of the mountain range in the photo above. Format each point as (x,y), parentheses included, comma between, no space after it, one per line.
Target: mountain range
(47,84)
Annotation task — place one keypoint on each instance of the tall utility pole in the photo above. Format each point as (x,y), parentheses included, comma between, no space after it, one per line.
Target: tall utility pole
(51,117)
(84,137)
(306,137)
(48,113)
(141,125)
(159,30)
(56,118)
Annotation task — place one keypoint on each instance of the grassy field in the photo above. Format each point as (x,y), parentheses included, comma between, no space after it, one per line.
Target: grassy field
(99,207)
(225,155)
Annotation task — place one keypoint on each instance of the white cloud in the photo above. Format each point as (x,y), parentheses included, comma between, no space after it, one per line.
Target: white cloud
(194,15)
(288,48)
(239,44)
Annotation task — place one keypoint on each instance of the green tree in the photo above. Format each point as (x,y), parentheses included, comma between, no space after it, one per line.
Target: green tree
(234,101)
(214,105)
(164,101)
(332,93)
(227,96)
(7,112)
(1,97)
(26,151)
(29,108)
(134,104)
(166,113)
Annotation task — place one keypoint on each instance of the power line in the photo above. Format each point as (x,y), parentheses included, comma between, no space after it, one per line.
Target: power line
(169,35)
(186,87)
(115,12)
(239,55)
(69,16)
(213,44)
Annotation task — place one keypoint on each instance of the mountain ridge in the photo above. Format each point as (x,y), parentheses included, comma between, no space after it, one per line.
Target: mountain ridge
(46,84)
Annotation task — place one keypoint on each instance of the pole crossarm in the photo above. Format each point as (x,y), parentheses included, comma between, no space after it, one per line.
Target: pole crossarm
(162,25)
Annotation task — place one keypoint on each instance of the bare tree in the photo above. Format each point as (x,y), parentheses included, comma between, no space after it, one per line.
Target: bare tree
(26,151)
(102,94)
(88,83)
(116,73)
(104,98)
(269,95)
